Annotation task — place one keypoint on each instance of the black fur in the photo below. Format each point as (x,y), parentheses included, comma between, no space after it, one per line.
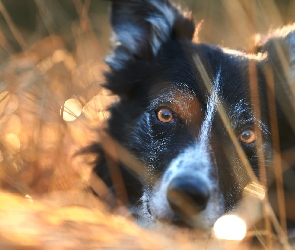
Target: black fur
(153,65)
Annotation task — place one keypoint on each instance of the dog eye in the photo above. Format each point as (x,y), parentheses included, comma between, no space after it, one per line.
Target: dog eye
(247,136)
(164,115)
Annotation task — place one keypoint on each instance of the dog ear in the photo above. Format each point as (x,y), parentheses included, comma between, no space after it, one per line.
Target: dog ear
(280,48)
(142,26)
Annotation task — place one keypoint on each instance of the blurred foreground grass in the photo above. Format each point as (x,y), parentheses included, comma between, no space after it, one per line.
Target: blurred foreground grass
(51,102)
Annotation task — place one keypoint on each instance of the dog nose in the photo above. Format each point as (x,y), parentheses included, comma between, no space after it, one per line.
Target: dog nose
(187,196)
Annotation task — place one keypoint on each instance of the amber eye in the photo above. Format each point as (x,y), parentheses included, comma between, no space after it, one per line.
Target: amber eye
(247,136)
(164,115)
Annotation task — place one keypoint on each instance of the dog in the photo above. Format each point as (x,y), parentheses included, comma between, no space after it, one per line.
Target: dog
(195,123)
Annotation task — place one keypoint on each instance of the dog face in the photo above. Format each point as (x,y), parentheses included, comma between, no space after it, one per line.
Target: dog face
(194,115)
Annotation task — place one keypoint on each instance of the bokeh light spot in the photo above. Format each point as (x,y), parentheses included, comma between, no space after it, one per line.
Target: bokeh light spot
(230,227)
(12,142)
(72,109)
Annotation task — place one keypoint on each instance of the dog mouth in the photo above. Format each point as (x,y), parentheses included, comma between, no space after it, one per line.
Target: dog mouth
(175,221)
(178,222)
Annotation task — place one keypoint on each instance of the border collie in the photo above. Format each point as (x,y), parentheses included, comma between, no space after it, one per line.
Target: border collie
(195,123)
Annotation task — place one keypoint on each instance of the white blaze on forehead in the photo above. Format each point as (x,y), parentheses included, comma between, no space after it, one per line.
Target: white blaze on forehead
(211,108)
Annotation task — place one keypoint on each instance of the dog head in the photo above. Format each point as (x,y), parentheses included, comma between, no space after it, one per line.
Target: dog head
(196,116)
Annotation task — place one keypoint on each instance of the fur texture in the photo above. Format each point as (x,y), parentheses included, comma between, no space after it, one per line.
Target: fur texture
(175,96)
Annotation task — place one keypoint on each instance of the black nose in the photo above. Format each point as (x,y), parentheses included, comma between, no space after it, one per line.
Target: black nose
(187,196)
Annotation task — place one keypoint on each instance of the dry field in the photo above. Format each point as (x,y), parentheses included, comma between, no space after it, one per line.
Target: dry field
(52,104)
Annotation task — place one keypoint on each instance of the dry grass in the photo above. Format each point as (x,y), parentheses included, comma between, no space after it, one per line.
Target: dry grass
(51,102)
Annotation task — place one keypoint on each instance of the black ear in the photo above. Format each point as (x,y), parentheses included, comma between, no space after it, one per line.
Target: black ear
(142,26)
(280,48)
